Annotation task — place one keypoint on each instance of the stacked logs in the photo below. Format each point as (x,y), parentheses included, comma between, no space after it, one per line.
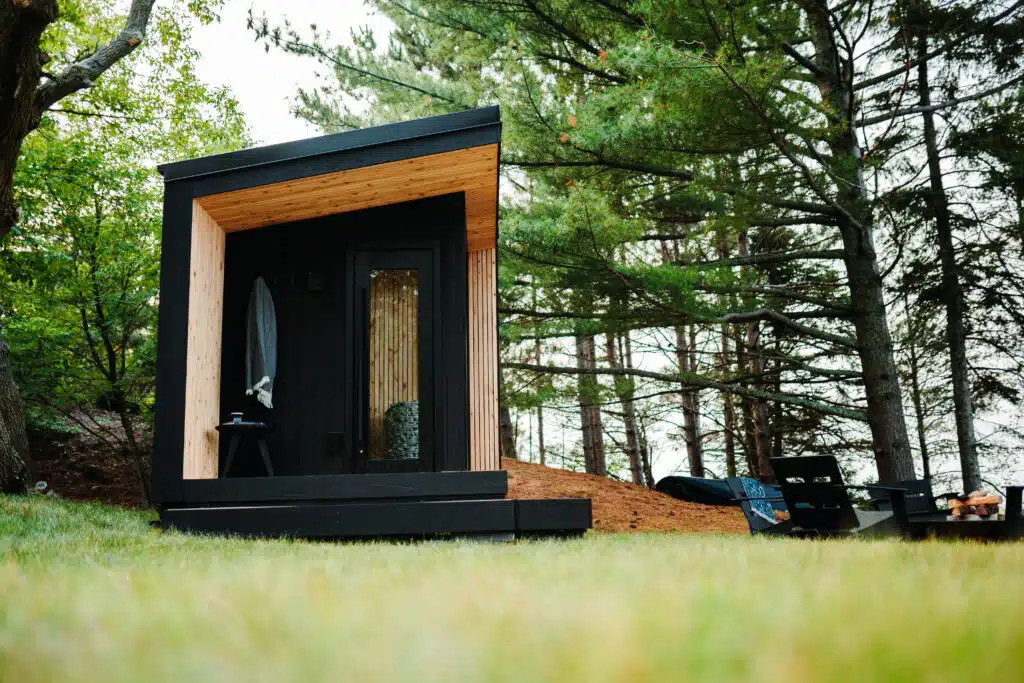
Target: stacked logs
(980,503)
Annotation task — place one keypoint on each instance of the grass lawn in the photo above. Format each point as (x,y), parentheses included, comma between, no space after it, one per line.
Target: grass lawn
(91,593)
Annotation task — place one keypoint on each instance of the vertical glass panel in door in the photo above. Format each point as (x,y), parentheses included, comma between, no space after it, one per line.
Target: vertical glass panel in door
(394,414)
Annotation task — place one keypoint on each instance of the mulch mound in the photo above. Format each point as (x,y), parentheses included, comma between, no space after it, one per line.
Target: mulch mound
(81,467)
(620,506)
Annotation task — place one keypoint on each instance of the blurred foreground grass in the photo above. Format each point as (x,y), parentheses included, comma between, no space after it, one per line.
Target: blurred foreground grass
(91,593)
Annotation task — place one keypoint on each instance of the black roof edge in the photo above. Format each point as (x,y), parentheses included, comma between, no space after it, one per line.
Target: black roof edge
(330,144)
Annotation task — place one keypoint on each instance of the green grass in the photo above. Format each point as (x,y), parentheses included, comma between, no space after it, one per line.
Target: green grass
(91,593)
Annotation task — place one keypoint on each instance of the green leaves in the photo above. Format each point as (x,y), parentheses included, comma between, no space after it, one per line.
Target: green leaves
(80,277)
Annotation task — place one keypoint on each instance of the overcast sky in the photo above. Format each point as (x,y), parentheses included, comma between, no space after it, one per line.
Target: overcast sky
(265,83)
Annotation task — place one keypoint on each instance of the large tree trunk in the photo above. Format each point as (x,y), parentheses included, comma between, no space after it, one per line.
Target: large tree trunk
(856,225)
(952,290)
(22,22)
(590,412)
(13,440)
(874,346)
(21,63)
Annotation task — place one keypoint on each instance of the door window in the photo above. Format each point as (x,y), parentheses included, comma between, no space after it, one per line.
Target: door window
(394,414)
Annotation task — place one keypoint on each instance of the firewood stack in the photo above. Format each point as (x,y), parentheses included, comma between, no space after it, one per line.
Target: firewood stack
(980,503)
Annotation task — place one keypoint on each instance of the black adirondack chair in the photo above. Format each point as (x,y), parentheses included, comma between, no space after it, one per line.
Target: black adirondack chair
(758,510)
(921,502)
(819,505)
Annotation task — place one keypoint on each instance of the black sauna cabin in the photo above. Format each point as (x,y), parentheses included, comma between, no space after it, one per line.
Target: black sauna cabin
(328,350)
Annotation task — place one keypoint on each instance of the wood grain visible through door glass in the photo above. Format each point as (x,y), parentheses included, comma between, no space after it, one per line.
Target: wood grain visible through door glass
(394,364)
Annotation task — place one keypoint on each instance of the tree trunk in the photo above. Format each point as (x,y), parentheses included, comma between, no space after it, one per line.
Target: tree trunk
(760,416)
(756,423)
(590,412)
(746,411)
(645,457)
(856,225)
(728,411)
(540,406)
(728,406)
(21,64)
(540,433)
(623,388)
(13,439)
(689,399)
(507,436)
(915,395)
(141,471)
(952,290)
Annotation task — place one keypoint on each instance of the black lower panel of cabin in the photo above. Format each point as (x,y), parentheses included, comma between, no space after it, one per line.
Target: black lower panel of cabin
(394,519)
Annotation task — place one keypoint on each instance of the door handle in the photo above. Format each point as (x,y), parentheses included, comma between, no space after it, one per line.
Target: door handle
(362,381)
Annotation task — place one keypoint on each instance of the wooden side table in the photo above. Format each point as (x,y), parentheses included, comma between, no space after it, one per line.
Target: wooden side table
(241,430)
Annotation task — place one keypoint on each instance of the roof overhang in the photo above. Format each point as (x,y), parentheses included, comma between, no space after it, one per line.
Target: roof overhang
(357,170)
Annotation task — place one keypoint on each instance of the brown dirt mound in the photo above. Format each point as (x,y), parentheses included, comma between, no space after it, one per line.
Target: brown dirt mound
(82,467)
(619,506)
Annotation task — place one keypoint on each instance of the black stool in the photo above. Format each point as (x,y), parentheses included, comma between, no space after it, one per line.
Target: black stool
(240,430)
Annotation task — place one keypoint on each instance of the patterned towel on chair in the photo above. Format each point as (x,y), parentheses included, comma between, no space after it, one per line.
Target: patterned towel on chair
(759,505)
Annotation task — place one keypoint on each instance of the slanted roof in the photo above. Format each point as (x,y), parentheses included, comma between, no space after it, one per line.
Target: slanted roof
(332,174)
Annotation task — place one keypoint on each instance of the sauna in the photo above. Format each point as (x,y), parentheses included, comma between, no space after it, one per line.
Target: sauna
(328,339)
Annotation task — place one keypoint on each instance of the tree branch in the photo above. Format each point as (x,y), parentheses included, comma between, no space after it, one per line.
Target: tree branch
(793,53)
(772,257)
(689,381)
(83,73)
(921,109)
(622,165)
(775,316)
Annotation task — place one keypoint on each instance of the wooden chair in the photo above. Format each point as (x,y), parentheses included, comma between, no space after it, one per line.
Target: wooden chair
(921,502)
(819,505)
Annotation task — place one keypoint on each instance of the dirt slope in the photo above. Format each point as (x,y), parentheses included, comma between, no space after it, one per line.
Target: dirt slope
(619,506)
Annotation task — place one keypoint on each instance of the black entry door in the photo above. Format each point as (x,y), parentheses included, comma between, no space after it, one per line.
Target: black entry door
(394,354)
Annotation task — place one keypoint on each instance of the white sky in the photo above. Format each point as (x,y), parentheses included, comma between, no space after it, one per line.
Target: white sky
(266,83)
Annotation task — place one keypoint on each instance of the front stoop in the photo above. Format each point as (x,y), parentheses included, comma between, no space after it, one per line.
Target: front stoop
(383,519)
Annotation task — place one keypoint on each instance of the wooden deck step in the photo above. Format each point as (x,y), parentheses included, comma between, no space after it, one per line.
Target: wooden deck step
(403,519)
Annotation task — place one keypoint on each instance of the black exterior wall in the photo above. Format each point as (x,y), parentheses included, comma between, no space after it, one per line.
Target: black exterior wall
(308,268)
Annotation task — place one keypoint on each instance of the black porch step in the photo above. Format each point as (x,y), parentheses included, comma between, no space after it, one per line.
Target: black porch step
(415,519)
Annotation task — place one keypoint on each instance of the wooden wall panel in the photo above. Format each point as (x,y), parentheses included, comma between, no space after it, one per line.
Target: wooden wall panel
(473,171)
(203,353)
(394,342)
(483,360)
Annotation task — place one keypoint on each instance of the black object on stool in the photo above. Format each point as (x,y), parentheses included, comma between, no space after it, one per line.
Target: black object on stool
(239,430)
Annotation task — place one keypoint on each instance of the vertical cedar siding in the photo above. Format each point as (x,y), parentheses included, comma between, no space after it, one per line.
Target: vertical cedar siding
(202,375)
(483,360)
